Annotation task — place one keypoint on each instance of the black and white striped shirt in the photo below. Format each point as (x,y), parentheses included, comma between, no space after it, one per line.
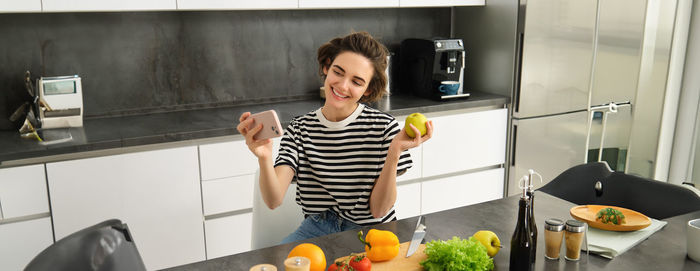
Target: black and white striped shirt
(337,163)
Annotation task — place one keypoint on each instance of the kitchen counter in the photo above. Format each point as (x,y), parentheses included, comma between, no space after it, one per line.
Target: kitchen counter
(664,250)
(114,133)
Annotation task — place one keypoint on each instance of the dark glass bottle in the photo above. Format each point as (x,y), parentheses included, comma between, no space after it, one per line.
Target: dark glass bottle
(521,242)
(531,216)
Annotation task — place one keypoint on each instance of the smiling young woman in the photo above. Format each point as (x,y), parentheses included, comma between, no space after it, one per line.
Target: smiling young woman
(345,156)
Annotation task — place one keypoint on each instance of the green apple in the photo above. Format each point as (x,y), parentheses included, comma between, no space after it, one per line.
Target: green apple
(418,120)
(490,240)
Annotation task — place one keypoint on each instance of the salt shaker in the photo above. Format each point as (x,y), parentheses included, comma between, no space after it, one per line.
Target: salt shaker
(574,238)
(553,235)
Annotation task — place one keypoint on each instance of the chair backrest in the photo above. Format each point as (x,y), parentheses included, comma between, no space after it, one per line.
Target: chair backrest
(271,226)
(577,184)
(653,198)
(105,246)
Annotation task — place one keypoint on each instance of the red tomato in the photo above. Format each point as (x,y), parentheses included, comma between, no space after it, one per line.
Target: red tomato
(360,263)
(339,266)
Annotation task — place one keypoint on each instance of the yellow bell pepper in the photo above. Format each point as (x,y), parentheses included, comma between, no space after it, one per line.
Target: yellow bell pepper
(380,245)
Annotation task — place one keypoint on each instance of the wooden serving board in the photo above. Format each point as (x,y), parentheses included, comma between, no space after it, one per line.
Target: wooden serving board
(633,220)
(400,262)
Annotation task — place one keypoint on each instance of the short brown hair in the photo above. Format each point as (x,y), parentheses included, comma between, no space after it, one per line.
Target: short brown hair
(364,44)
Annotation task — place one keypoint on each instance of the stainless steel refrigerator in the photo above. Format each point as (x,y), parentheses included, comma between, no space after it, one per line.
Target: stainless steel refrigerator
(586,81)
(580,73)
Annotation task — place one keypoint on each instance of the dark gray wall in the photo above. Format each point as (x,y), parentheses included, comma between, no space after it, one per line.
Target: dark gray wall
(144,62)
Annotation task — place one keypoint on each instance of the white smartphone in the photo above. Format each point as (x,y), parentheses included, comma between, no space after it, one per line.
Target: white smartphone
(271,125)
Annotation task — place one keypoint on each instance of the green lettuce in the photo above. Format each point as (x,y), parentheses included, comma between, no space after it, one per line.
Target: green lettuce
(456,254)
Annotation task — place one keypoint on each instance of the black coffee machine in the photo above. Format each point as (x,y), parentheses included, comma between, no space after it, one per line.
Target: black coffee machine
(424,64)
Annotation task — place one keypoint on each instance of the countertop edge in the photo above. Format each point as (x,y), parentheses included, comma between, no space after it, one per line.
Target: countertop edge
(107,136)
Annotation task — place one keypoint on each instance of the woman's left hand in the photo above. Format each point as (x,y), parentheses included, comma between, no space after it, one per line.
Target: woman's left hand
(404,142)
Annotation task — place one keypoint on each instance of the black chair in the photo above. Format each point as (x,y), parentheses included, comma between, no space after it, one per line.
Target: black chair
(106,246)
(595,183)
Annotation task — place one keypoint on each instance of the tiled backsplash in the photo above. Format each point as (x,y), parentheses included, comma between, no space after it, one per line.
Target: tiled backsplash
(143,62)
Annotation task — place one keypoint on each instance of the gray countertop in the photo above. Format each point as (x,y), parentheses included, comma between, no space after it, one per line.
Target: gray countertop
(133,131)
(664,250)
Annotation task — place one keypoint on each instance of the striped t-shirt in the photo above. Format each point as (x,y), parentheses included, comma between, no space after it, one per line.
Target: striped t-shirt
(337,163)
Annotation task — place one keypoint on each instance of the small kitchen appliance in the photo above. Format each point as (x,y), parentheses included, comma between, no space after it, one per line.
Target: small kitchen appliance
(60,101)
(424,64)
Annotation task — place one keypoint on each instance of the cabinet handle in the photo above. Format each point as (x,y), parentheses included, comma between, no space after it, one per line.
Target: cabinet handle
(2,215)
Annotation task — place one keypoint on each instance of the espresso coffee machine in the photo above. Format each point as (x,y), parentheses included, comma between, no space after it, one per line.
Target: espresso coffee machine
(425,64)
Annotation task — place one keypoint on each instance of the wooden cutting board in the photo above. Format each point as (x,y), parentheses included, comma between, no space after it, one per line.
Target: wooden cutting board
(400,262)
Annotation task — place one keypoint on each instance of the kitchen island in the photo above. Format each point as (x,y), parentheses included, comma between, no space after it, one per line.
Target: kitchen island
(664,250)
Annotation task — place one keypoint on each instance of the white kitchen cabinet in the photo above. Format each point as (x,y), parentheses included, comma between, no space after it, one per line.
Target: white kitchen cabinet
(440,3)
(228,194)
(20,6)
(23,192)
(21,241)
(221,160)
(465,141)
(25,222)
(408,200)
(107,5)
(228,235)
(461,190)
(348,3)
(236,4)
(156,193)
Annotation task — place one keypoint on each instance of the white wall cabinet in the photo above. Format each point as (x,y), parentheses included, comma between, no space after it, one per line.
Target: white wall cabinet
(465,141)
(20,6)
(156,193)
(164,5)
(440,3)
(21,241)
(462,190)
(107,5)
(236,4)
(348,3)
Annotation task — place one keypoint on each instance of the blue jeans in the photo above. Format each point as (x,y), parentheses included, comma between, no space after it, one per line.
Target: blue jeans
(318,225)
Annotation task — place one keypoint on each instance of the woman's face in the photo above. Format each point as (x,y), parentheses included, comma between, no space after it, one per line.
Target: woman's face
(347,79)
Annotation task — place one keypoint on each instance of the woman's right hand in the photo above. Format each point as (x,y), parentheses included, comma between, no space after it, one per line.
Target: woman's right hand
(259,148)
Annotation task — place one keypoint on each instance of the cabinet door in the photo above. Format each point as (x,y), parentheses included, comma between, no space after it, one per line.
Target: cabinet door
(156,193)
(23,191)
(236,4)
(347,3)
(408,200)
(22,241)
(227,194)
(228,235)
(220,160)
(465,141)
(440,3)
(107,5)
(20,6)
(462,190)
